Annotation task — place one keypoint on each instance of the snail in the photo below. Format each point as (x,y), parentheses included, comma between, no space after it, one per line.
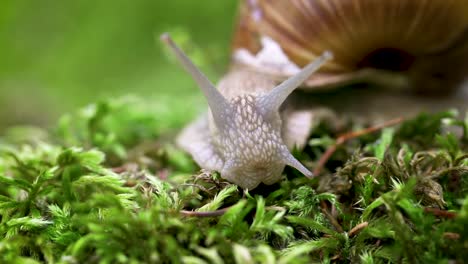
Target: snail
(241,138)
(412,45)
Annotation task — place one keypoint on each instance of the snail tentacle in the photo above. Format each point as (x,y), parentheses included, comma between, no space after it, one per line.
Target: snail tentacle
(274,99)
(218,104)
(290,160)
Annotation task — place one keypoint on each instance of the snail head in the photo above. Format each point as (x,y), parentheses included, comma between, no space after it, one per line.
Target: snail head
(247,135)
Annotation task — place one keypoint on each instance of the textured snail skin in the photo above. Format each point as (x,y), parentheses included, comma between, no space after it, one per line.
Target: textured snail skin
(251,146)
(247,149)
(241,137)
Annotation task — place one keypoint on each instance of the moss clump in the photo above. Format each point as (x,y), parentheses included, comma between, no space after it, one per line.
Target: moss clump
(107,186)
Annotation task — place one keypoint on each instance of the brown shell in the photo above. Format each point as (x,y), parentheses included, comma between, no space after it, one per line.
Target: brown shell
(424,41)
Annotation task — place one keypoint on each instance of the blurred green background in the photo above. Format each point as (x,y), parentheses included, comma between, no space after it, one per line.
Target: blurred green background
(58,55)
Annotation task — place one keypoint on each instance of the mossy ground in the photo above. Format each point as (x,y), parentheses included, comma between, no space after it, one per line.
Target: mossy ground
(107,186)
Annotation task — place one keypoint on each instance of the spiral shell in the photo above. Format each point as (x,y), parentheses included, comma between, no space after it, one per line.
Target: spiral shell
(418,43)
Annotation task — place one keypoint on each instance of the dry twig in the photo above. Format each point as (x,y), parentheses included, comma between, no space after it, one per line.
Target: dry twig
(345,137)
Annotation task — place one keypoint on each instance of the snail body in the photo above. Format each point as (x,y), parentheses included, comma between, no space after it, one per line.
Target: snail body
(241,136)
(417,45)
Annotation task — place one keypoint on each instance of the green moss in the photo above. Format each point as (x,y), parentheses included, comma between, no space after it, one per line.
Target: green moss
(108,186)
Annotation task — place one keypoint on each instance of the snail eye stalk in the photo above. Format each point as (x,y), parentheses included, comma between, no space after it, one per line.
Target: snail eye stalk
(218,104)
(272,101)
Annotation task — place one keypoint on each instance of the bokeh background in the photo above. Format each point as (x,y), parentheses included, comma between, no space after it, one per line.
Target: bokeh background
(59,55)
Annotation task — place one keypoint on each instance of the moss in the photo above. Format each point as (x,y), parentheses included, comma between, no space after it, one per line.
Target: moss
(108,186)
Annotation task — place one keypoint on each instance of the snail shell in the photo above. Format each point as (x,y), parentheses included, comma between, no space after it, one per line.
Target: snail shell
(422,44)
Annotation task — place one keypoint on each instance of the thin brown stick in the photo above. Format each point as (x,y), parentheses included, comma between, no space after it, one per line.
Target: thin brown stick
(358,228)
(440,213)
(330,218)
(451,235)
(204,214)
(345,137)
(220,212)
(119,169)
